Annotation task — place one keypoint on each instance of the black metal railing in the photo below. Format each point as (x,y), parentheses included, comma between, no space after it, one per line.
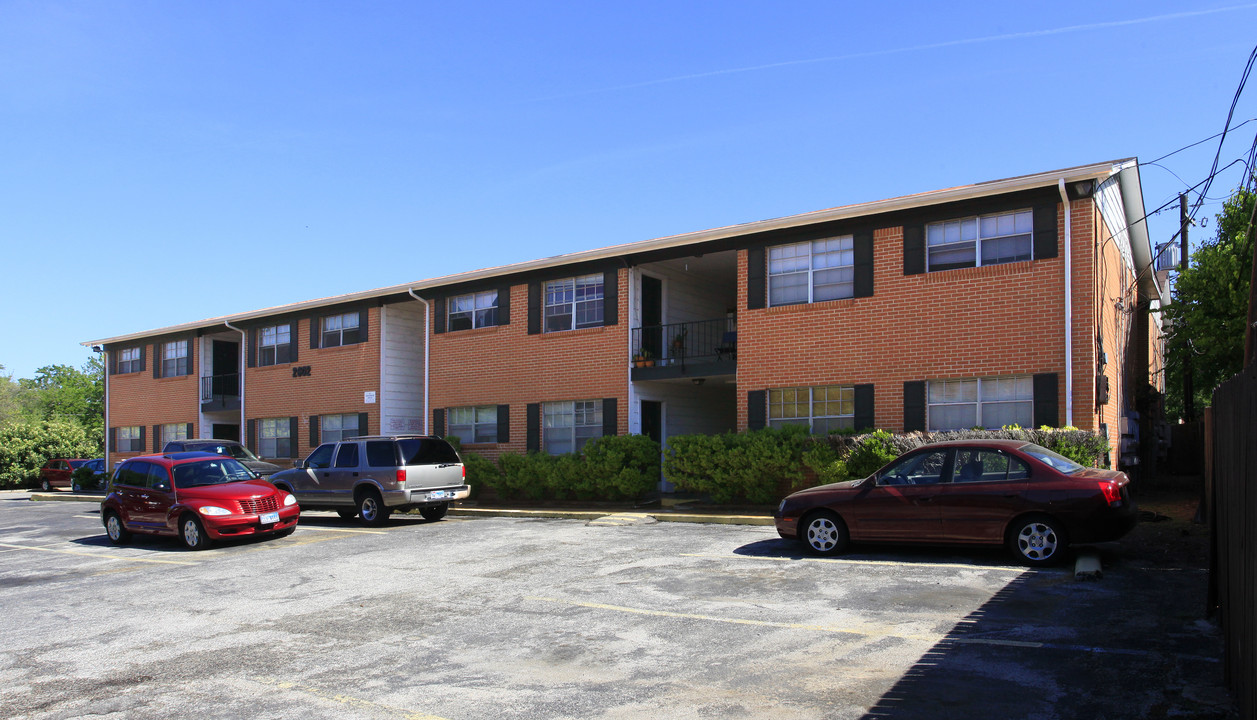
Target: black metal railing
(687,342)
(219,387)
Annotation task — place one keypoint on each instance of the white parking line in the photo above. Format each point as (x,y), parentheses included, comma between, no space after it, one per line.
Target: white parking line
(341,530)
(97,556)
(844,561)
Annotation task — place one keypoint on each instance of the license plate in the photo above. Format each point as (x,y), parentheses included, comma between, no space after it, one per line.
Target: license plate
(440,494)
(269,518)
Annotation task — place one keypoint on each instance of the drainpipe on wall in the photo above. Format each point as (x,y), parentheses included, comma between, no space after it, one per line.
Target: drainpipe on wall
(243,425)
(1069,310)
(427,341)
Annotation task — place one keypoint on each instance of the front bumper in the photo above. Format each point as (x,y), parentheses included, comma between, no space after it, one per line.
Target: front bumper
(218,527)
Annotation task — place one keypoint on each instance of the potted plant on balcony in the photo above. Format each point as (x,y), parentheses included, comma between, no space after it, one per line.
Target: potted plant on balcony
(639,359)
(648,358)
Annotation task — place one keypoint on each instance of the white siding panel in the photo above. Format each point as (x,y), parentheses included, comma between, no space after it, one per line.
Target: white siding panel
(401,378)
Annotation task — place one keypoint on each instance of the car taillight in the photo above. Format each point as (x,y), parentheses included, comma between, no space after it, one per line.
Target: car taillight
(401,476)
(1112,492)
(464,473)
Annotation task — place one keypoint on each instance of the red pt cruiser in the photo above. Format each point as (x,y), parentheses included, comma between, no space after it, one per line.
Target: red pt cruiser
(196,496)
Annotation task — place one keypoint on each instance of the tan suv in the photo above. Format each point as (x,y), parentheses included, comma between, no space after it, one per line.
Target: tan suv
(370,477)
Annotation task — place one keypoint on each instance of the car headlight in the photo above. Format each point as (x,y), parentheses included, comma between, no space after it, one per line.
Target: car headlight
(289,500)
(213,510)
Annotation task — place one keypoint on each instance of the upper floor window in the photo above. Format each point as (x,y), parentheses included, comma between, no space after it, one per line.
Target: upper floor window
(567,426)
(335,428)
(981,402)
(174,358)
(811,271)
(275,345)
(475,310)
(573,303)
(339,330)
(982,240)
(275,438)
(822,409)
(477,424)
(130,360)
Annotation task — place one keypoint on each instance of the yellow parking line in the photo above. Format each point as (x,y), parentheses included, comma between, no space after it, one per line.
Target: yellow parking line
(343,530)
(839,561)
(95,555)
(347,700)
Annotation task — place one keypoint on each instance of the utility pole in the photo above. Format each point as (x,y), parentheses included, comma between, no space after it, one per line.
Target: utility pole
(1189,404)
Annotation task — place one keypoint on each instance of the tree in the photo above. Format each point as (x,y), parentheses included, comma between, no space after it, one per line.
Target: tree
(1208,316)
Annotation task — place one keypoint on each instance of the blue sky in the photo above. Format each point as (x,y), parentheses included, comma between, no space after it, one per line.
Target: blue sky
(163,162)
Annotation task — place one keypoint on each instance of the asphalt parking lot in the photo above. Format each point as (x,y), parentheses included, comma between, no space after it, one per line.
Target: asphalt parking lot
(548,618)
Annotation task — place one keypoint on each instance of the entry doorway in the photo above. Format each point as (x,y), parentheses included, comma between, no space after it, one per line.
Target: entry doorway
(223,431)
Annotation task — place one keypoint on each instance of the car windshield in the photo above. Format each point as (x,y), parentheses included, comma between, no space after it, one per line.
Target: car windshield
(1059,463)
(76,463)
(217,471)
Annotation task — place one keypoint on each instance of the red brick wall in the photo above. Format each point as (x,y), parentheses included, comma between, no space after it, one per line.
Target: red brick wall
(140,399)
(506,365)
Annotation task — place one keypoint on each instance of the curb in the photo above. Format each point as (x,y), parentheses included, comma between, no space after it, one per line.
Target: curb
(65,497)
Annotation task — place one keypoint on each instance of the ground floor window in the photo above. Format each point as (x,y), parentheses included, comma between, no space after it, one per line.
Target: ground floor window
(567,426)
(822,409)
(334,428)
(274,437)
(129,439)
(173,431)
(478,424)
(981,403)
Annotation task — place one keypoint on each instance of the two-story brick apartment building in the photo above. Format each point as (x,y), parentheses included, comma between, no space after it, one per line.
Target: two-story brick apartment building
(947,309)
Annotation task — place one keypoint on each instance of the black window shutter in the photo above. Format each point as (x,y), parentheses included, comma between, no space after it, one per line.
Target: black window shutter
(364,423)
(611,297)
(292,437)
(863,246)
(610,419)
(533,432)
(113,440)
(364,322)
(292,342)
(157,360)
(251,435)
(157,438)
(504,305)
(438,316)
(756,409)
(1046,404)
(1045,240)
(756,279)
(314,431)
(534,308)
(142,430)
(141,367)
(253,347)
(864,407)
(438,422)
(189,432)
(913,249)
(113,361)
(188,369)
(314,332)
(914,405)
(504,423)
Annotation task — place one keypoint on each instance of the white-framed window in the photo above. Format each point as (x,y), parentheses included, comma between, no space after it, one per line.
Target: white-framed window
(567,426)
(173,431)
(811,271)
(573,303)
(475,310)
(981,402)
(129,360)
(174,358)
(337,330)
(275,345)
(275,437)
(822,409)
(478,424)
(334,428)
(129,439)
(980,240)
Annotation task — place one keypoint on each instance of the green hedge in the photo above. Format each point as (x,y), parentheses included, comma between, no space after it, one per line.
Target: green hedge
(26,446)
(615,467)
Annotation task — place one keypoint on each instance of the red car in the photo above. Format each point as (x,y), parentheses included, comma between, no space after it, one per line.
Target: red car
(994,492)
(197,496)
(58,473)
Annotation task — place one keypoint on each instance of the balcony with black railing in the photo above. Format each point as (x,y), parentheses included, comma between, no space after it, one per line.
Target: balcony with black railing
(702,347)
(220,392)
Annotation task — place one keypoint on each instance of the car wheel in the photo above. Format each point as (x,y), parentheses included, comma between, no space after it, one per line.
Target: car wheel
(76,487)
(45,485)
(193,533)
(1037,540)
(113,526)
(434,512)
(347,514)
(824,533)
(372,510)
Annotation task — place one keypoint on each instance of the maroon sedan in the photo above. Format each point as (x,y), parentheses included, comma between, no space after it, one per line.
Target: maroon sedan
(196,496)
(967,492)
(58,472)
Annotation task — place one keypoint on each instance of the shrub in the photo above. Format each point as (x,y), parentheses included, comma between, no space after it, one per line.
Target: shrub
(752,466)
(26,446)
(871,452)
(615,467)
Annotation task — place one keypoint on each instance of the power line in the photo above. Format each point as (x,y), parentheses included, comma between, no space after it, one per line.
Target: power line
(1217,156)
